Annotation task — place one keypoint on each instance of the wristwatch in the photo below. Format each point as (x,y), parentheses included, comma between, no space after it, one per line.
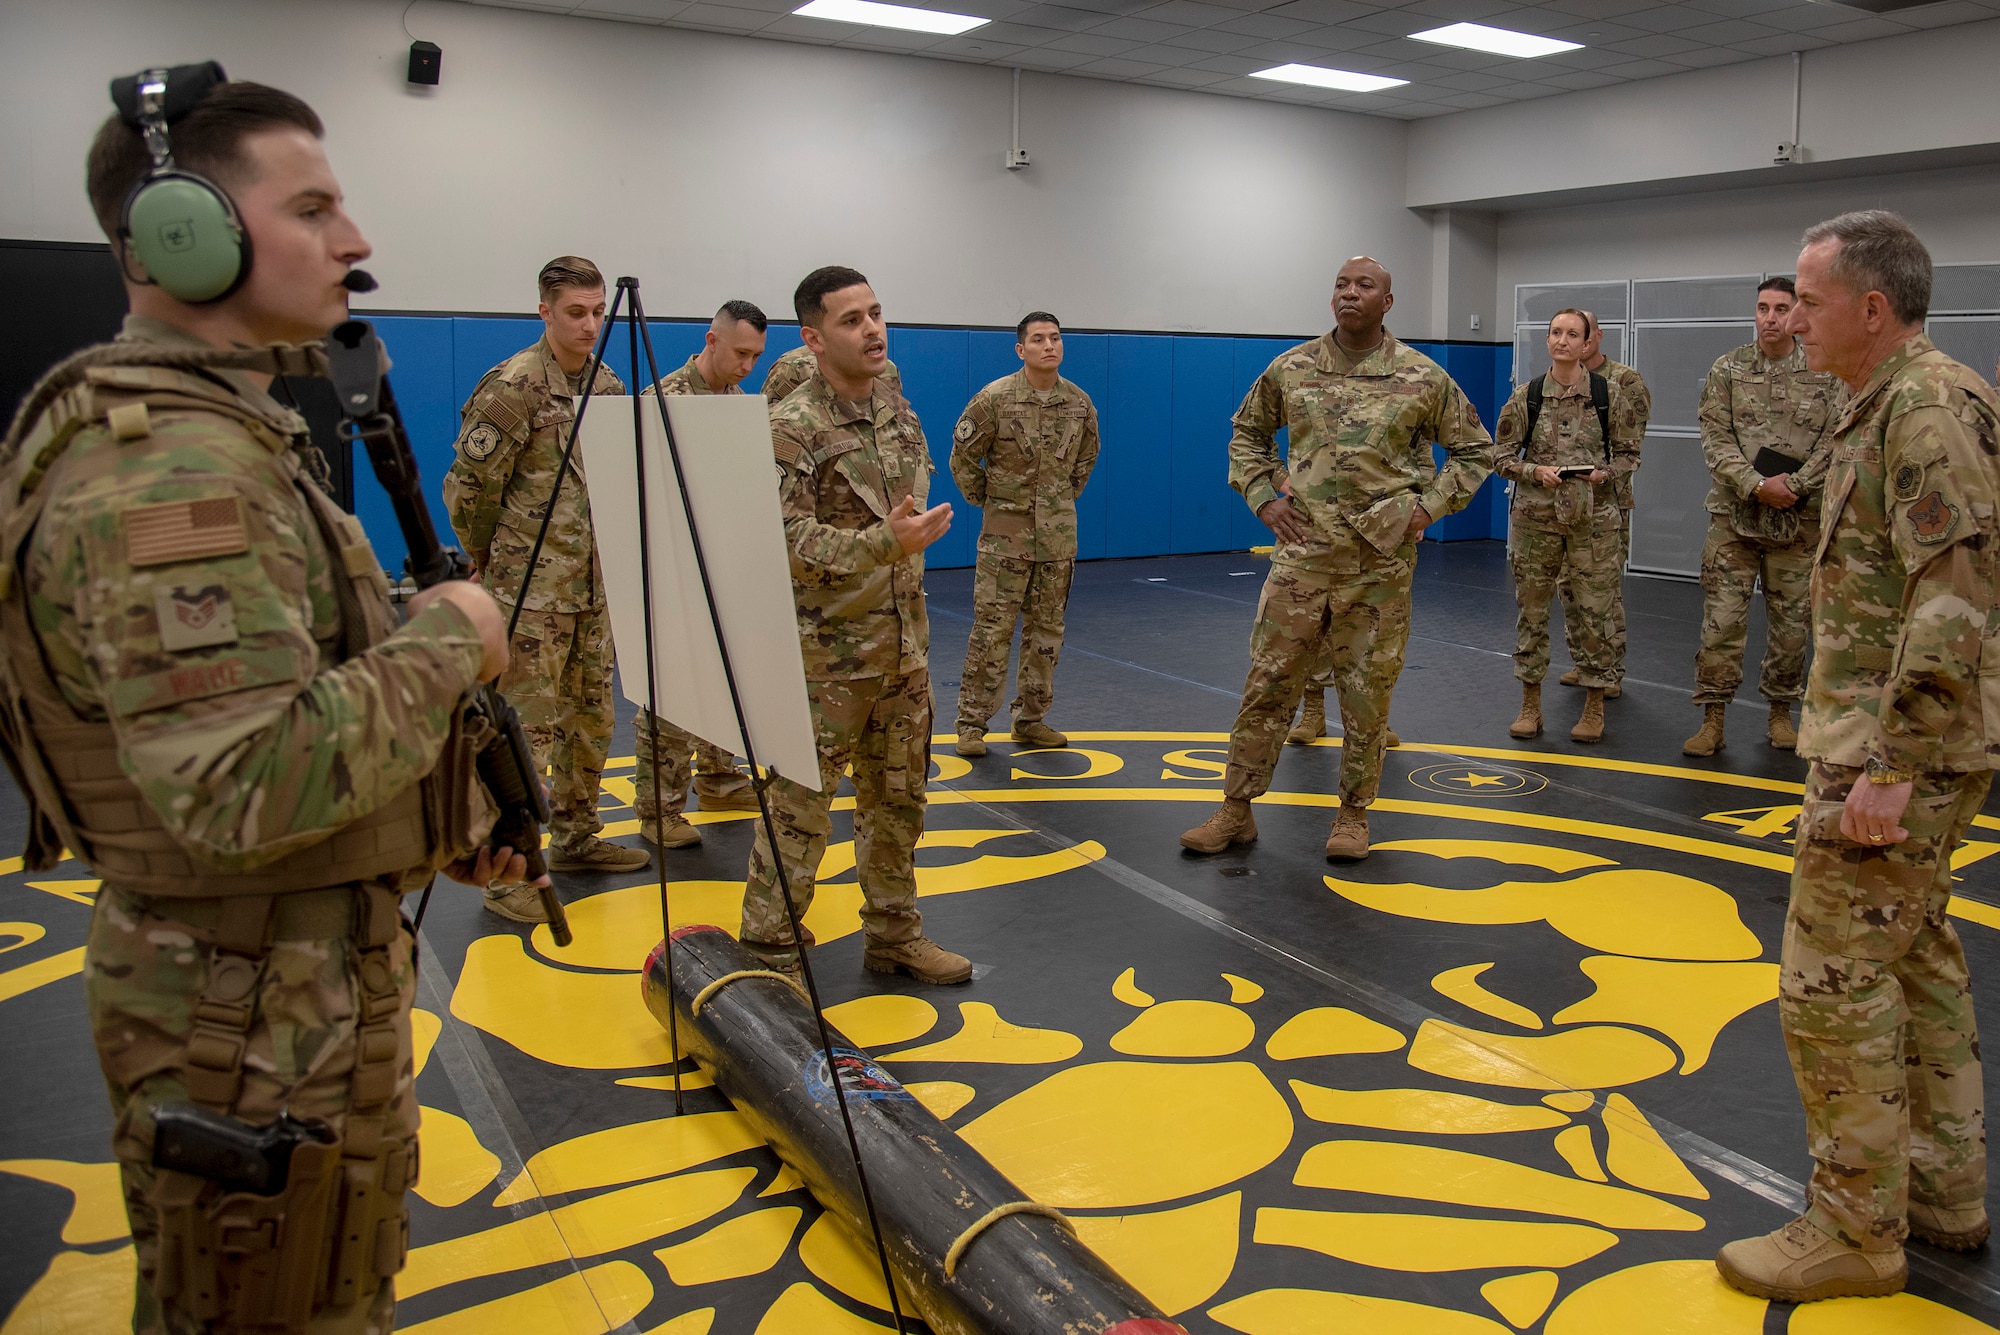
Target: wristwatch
(1879,773)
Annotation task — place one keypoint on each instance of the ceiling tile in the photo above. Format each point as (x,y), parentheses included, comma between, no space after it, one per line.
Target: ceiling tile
(1057,16)
(1654,45)
(1777,44)
(1320,11)
(1667,18)
(1576,80)
(1041,58)
(1397,23)
(889,39)
(1710,56)
(1117,69)
(1468,101)
(1193,14)
(1090,44)
(643,11)
(793,28)
(1159,53)
(1269,26)
(1441,12)
(1598,9)
(1212,40)
(1863,30)
(1229,65)
(1643,69)
(1140,30)
(1180,78)
(1468,81)
(723,17)
(975,48)
(1593,32)
(1939,16)
(1018,34)
(1727,33)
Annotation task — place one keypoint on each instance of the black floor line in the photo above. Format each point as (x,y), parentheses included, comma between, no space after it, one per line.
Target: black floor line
(1720,1160)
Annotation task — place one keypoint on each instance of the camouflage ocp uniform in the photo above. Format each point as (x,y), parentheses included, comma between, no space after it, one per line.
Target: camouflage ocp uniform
(681,754)
(865,633)
(1360,462)
(1572,528)
(1023,456)
(1628,384)
(204,694)
(1873,991)
(799,365)
(1751,403)
(510,446)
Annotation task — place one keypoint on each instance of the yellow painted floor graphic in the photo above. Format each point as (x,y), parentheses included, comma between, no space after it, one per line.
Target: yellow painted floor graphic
(1517,1144)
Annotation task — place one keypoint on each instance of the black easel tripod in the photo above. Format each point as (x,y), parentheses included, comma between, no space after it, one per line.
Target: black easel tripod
(639,334)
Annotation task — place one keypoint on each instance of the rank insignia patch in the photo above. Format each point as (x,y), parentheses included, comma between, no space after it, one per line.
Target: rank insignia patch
(194,617)
(1931,520)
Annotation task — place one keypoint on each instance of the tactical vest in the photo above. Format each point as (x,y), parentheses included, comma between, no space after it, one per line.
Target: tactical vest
(66,764)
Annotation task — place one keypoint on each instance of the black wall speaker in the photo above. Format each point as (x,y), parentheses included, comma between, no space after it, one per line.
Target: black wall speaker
(426,58)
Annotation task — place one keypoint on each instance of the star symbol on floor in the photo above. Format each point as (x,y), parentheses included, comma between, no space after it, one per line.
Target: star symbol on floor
(1471,780)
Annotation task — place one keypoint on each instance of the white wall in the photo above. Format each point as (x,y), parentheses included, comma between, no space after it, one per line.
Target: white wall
(1925,92)
(1741,231)
(715,167)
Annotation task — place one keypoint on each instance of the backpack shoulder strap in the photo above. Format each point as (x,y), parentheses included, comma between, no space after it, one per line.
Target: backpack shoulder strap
(1600,399)
(1534,412)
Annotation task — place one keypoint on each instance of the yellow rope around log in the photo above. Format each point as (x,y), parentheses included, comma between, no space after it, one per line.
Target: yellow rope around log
(992,1217)
(701,997)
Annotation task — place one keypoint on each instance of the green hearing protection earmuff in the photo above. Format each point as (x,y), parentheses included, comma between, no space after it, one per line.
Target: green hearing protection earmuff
(182,227)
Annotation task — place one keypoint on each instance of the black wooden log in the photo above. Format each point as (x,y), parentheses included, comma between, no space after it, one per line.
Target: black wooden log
(1022,1272)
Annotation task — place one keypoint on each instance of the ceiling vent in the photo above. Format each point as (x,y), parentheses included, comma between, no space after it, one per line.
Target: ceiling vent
(1880,6)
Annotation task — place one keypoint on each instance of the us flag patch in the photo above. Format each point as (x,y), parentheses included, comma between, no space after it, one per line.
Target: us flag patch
(184,531)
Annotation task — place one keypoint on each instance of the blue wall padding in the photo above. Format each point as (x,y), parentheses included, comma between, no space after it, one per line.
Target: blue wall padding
(1164,405)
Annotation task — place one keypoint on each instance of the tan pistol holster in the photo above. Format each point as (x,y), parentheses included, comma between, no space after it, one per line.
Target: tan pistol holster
(265,1264)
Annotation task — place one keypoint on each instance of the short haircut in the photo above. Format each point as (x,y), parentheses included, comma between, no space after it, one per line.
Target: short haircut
(1582,315)
(744,312)
(568,271)
(207,141)
(809,301)
(1779,284)
(1035,317)
(1879,253)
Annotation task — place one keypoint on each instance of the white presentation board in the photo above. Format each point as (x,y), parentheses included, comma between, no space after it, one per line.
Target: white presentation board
(725,446)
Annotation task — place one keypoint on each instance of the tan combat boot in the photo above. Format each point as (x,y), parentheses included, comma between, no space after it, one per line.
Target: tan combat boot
(516,901)
(1570,678)
(676,833)
(971,742)
(1800,1264)
(1039,733)
(1961,1230)
(1529,724)
(595,854)
(922,959)
(1348,842)
(1232,823)
(1780,731)
(1709,740)
(1590,728)
(1312,720)
(1390,740)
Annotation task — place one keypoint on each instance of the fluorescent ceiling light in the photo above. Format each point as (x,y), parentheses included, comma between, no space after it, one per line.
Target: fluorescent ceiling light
(1347,81)
(1501,42)
(876,15)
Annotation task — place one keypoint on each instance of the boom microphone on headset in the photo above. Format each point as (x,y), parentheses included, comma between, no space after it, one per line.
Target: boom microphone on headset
(359,280)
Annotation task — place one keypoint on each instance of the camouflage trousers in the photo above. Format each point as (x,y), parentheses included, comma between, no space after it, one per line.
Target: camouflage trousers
(1730,567)
(1877,1012)
(1541,559)
(559,679)
(881,726)
(682,756)
(146,965)
(1573,628)
(1358,626)
(1007,589)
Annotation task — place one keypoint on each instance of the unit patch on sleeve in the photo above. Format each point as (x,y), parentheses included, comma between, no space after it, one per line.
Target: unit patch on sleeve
(964,431)
(482,440)
(194,617)
(1931,519)
(1909,478)
(157,535)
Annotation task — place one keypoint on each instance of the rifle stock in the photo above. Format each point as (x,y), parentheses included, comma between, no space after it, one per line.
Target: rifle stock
(506,764)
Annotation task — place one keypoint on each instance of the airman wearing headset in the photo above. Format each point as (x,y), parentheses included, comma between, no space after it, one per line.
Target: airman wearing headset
(205,695)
